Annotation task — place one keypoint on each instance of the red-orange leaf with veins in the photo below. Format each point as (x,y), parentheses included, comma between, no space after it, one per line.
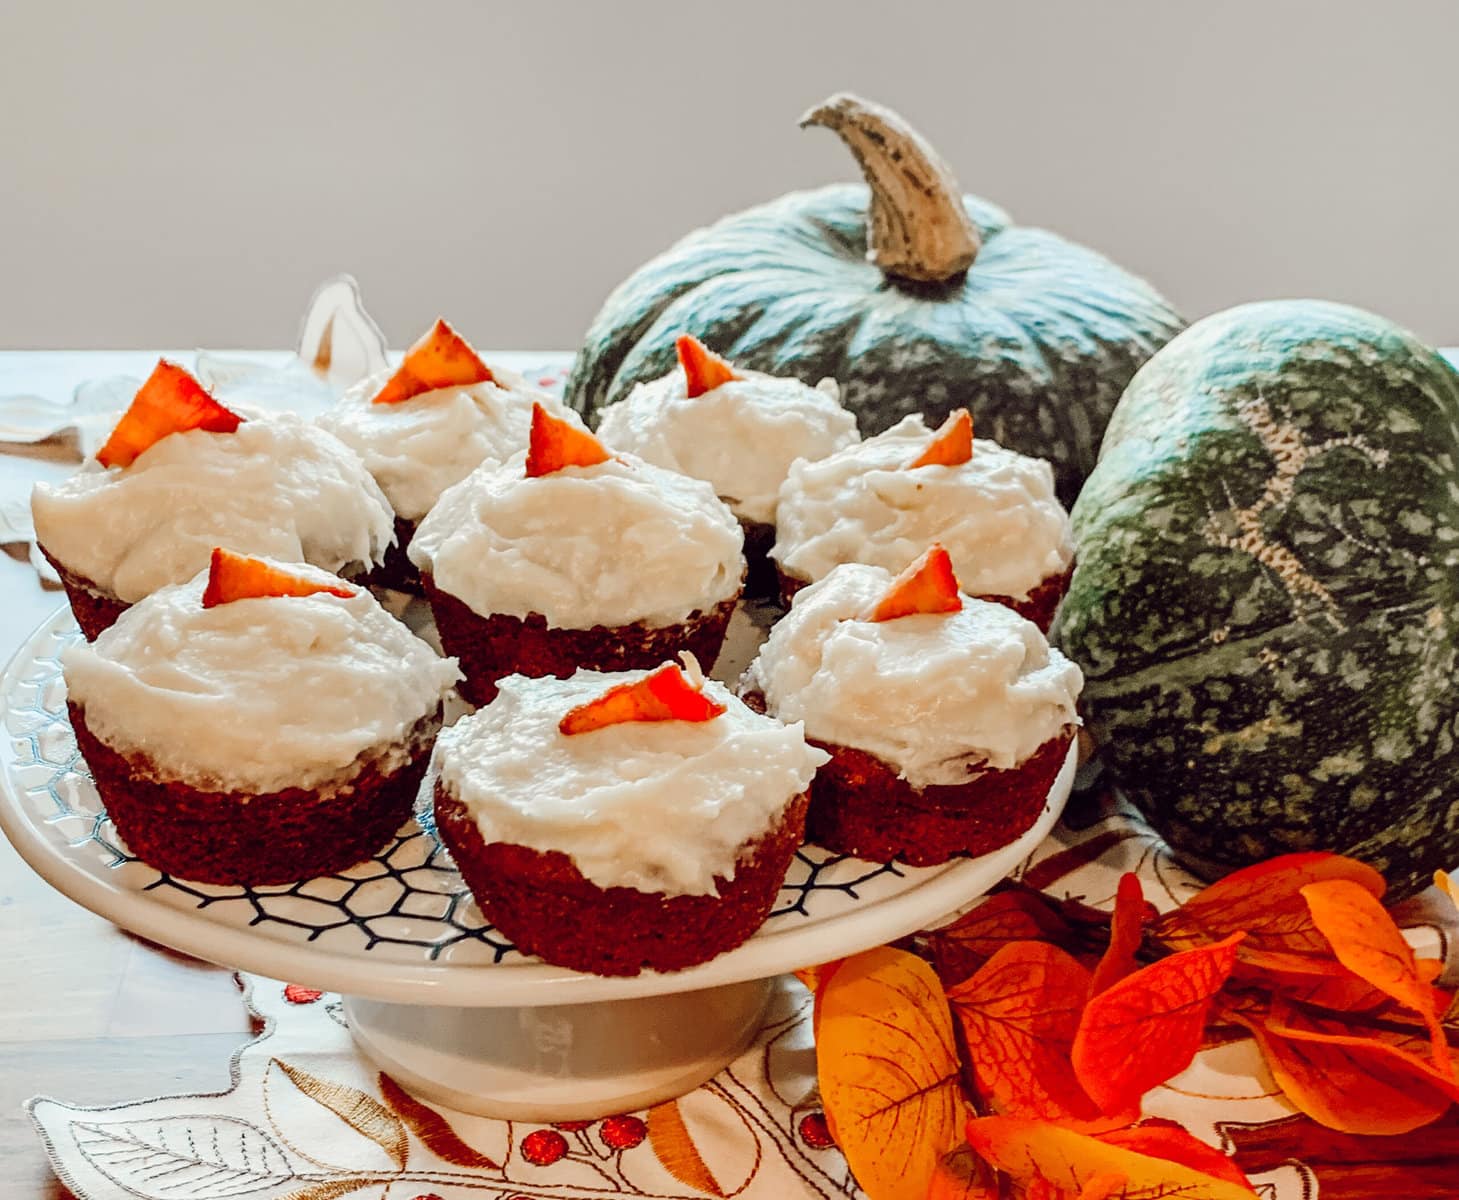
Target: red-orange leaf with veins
(1125,934)
(1366,941)
(1016,915)
(888,1069)
(1165,1139)
(1148,1026)
(1019,1015)
(962,1175)
(1264,902)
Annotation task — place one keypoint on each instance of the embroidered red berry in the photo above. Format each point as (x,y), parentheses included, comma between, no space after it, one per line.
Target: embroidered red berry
(814,1131)
(430,1196)
(543,1147)
(295,994)
(622,1133)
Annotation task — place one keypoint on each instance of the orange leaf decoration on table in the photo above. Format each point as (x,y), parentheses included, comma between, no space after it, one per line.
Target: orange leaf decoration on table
(1065,1163)
(962,1175)
(704,370)
(927,586)
(239,577)
(888,1068)
(1016,915)
(951,445)
(1019,1015)
(1148,1026)
(440,358)
(1126,931)
(170,401)
(1264,902)
(1366,941)
(1160,1138)
(555,443)
(665,695)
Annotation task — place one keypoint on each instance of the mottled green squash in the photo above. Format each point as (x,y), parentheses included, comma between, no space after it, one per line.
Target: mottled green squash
(1265,604)
(913,296)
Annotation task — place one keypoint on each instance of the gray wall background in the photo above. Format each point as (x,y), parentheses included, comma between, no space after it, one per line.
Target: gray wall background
(178,174)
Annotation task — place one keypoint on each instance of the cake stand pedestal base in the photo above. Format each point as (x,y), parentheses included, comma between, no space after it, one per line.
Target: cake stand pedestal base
(562,1062)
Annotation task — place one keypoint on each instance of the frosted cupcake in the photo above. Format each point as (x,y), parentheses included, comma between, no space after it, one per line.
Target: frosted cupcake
(946,718)
(616,822)
(181,473)
(884,501)
(428,425)
(260,723)
(737,430)
(566,557)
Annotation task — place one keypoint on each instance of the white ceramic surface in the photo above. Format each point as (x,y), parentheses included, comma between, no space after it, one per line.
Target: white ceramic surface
(401,927)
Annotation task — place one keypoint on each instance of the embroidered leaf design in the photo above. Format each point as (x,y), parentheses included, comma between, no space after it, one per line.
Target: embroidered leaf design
(432,1128)
(364,1114)
(1045,1157)
(675,1149)
(208,1158)
(1367,942)
(1148,1026)
(1125,934)
(1264,902)
(888,1071)
(960,949)
(329,1189)
(1019,1015)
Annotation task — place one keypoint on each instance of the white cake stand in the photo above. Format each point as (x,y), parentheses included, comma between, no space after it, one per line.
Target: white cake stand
(433,994)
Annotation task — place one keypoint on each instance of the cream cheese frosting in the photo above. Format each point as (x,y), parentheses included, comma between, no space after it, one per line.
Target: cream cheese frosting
(277,486)
(937,696)
(257,695)
(741,436)
(609,544)
(996,515)
(419,447)
(662,806)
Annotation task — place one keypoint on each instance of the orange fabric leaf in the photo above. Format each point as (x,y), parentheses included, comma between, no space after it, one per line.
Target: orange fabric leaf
(1039,1152)
(962,1175)
(1148,1026)
(1019,1015)
(888,1068)
(814,980)
(663,695)
(170,401)
(927,586)
(704,370)
(1366,941)
(959,949)
(1264,902)
(1103,1186)
(1126,932)
(951,445)
(1311,979)
(239,577)
(1160,1138)
(554,444)
(440,358)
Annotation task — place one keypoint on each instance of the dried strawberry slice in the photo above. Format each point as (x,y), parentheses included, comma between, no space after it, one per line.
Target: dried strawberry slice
(555,443)
(704,370)
(951,445)
(442,358)
(171,401)
(927,586)
(239,577)
(665,695)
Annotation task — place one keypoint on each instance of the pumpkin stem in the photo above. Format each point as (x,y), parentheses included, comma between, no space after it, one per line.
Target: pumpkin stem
(919,229)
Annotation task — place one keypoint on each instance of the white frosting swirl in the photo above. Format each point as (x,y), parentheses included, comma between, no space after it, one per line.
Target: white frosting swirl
(663,806)
(936,696)
(741,436)
(996,515)
(257,695)
(277,486)
(610,544)
(418,448)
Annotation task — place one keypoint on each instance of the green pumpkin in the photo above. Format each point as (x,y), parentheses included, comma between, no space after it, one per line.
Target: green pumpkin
(1265,603)
(952,306)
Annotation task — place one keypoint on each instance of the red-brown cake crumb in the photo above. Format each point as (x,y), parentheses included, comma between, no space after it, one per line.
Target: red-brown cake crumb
(94,609)
(491,648)
(241,838)
(1038,606)
(543,903)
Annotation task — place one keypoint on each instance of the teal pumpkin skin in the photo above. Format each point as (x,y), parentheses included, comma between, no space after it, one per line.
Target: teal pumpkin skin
(1265,603)
(1038,339)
